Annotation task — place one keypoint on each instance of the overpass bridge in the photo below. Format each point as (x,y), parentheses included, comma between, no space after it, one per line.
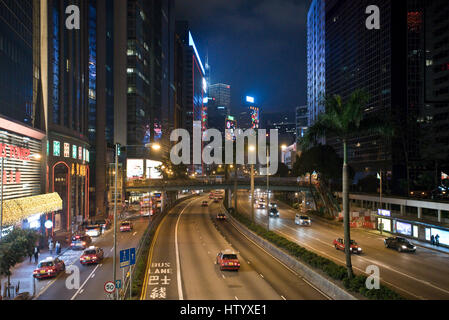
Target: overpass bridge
(207,184)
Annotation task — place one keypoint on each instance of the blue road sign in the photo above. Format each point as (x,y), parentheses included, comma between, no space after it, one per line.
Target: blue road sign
(118,284)
(132,253)
(124,258)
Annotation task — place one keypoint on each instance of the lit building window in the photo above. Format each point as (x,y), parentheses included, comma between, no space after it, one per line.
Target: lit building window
(56,148)
(66,150)
(74,151)
(80,153)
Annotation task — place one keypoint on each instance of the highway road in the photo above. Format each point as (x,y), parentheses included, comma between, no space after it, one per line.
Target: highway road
(422,275)
(182,259)
(92,277)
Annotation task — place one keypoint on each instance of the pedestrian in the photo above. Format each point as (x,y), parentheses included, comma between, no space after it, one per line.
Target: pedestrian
(58,248)
(432,240)
(437,239)
(50,247)
(50,240)
(36,254)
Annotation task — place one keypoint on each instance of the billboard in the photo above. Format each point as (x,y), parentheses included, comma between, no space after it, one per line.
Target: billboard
(255,117)
(151,171)
(230,124)
(134,169)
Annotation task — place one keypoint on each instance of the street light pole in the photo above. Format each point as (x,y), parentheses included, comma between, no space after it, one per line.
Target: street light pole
(268,194)
(114,259)
(252,192)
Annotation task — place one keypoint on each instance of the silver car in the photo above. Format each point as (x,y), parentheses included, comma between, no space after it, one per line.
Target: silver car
(303,220)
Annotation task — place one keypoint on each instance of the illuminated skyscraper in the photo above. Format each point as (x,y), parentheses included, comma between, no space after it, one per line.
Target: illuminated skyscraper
(219,105)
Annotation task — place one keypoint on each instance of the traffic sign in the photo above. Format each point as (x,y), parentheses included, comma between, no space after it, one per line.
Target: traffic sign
(118,284)
(132,255)
(109,287)
(124,258)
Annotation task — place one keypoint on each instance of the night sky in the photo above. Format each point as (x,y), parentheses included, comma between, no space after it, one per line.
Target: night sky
(259,47)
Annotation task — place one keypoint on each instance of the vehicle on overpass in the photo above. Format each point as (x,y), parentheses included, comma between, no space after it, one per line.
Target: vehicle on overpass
(400,244)
(339,244)
(228,260)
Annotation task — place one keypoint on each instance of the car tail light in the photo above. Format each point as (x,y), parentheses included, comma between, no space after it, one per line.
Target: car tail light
(84,243)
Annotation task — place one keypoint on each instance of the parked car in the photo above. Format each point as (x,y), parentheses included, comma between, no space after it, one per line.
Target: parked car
(92,255)
(339,244)
(48,268)
(303,220)
(400,244)
(126,226)
(228,260)
(80,242)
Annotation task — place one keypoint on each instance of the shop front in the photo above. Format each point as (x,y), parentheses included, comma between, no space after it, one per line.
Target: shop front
(68,176)
(23,203)
(412,229)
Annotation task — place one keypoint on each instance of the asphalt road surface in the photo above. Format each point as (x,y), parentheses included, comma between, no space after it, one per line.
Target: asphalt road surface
(92,277)
(420,275)
(183,255)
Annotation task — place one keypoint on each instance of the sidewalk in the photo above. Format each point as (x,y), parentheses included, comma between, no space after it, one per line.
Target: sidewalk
(22,274)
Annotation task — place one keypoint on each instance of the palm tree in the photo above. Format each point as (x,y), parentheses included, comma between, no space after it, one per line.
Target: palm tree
(345,120)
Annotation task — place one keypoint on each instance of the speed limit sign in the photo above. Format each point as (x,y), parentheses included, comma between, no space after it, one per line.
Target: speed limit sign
(109,287)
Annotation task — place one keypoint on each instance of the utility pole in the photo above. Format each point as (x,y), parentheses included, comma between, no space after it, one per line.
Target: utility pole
(268,194)
(252,192)
(114,258)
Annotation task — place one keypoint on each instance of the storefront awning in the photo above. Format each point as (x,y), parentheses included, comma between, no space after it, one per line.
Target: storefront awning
(16,210)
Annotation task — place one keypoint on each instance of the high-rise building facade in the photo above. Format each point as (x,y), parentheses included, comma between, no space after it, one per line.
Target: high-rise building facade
(391,64)
(69,92)
(219,105)
(194,85)
(16,60)
(316,59)
(302,121)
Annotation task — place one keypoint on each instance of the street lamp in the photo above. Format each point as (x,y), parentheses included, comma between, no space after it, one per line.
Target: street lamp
(154,146)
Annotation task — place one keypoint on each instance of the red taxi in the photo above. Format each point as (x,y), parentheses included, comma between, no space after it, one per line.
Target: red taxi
(228,260)
(48,268)
(126,226)
(339,244)
(92,255)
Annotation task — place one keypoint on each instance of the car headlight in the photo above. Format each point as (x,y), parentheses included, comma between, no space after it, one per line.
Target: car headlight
(414,248)
(360,249)
(404,247)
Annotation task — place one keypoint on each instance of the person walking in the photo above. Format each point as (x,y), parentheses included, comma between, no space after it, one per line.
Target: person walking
(432,240)
(58,248)
(36,254)
(437,239)
(50,247)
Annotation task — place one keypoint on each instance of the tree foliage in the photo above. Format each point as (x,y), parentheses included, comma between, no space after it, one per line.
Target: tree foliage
(14,247)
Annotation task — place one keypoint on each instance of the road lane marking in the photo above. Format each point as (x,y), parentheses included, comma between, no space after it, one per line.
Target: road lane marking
(80,290)
(134,233)
(371,261)
(236,298)
(280,262)
(262,276)
(178,264)
(283,298)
